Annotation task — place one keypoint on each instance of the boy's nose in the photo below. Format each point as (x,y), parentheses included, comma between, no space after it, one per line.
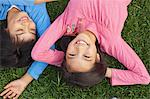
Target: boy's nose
(26,23)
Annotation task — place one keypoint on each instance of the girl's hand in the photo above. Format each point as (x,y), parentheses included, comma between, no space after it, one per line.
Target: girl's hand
(14,89)
(108,73)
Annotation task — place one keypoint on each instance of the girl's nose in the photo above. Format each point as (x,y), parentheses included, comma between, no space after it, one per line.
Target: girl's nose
(80,49)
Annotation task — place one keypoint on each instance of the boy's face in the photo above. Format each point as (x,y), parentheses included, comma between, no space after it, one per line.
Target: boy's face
(21,27)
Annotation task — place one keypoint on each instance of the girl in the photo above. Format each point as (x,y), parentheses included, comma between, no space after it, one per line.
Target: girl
(89,21)
(92,20)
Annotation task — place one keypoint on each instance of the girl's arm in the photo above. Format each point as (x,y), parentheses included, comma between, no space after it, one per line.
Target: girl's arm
(24,2)
(41,51)
(112,43)
(136,73)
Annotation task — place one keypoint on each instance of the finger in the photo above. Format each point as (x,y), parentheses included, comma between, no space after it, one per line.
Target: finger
(4,92)
(8,85)
(52,0)
(9,93)
(12,95)
(16,97)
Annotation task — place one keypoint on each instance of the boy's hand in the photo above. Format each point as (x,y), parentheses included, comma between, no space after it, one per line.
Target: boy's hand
(42,1)
(14,89)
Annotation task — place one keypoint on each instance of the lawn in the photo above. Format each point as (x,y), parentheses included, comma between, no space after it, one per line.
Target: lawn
(50,85)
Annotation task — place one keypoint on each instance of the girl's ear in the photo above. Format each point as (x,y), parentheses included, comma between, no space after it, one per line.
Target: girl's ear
(97,58)
(7,30)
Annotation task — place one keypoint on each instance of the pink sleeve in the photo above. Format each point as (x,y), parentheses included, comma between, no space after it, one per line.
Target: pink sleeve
(112,43)
(136,73)
(42,52)
(126,2)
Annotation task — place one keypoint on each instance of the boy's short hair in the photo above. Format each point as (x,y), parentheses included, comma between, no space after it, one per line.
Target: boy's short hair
(14,55)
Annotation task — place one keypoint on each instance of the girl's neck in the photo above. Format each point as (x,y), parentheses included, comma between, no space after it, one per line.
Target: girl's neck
(91,35)
(12,13)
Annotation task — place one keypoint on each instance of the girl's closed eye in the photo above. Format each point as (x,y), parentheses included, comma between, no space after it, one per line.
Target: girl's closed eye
(87,56)
(72,55)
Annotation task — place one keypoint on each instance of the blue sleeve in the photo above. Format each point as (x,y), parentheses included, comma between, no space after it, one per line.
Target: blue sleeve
(38,13)
(36,69)
(17,2)
(41,18)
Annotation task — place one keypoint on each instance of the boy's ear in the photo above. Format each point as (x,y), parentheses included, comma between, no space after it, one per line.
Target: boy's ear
(97,58)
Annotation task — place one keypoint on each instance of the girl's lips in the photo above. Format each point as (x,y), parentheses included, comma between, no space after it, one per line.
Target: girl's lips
(81,42)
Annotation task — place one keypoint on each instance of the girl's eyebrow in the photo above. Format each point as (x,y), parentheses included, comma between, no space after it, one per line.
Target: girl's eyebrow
(84,58)
(87,59)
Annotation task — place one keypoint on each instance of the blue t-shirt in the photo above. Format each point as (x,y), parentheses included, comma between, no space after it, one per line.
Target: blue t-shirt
(39,15)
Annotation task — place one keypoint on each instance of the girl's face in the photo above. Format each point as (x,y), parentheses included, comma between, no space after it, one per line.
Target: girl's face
(81,53)
(21,27)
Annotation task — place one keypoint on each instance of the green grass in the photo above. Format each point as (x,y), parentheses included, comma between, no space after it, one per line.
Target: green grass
(50,84)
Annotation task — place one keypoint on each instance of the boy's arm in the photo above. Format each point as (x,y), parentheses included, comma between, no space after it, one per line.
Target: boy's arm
(42,1)
(18,2)
(36,69)
(24,2)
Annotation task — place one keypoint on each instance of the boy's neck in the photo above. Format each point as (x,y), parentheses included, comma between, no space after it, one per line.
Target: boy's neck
(12,13)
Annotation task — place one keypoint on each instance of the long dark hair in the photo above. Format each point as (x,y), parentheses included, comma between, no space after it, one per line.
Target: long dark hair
(13,55)
(86,79)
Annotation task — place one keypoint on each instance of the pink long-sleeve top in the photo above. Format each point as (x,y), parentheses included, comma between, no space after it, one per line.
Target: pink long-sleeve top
(105,18)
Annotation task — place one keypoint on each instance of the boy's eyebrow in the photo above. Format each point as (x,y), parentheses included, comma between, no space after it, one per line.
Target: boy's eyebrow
(32,29)
(24,33)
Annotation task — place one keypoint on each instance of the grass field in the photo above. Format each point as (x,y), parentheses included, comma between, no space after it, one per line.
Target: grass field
(51,85)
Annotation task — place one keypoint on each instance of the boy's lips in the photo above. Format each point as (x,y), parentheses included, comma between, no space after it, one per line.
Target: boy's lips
(24,18)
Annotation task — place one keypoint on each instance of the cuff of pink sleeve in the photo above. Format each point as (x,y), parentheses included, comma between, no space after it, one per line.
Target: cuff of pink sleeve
(58,59)
(113,79)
